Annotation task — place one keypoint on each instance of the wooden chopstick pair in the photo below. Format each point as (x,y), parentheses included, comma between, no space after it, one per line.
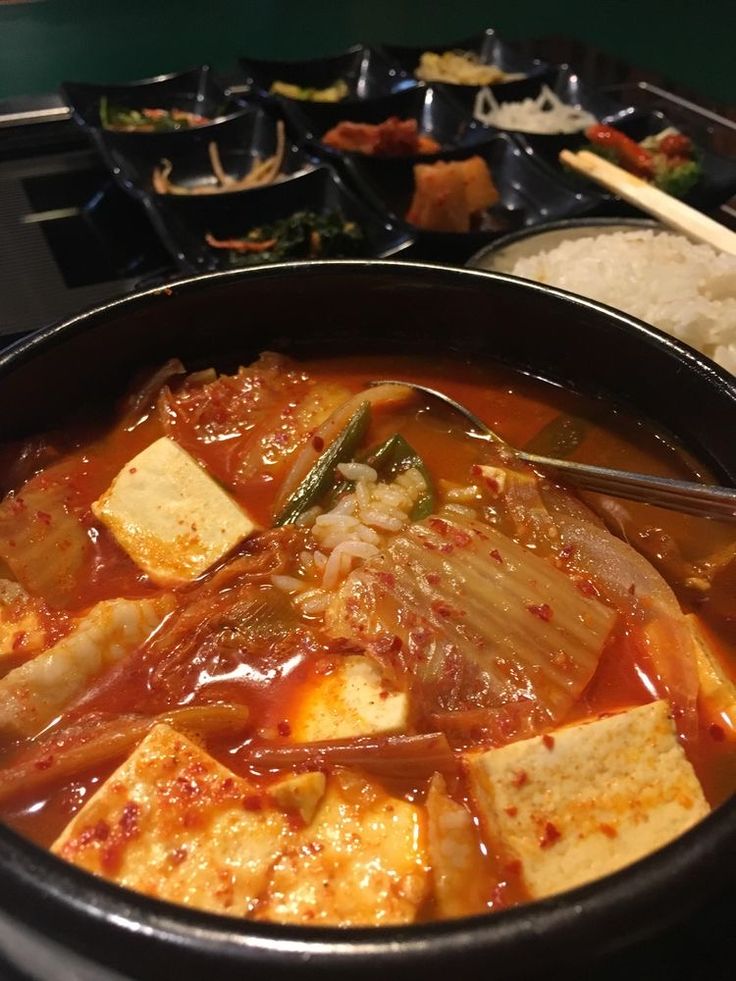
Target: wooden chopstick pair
(670,211)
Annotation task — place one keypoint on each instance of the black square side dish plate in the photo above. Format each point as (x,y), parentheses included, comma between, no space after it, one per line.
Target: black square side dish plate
(529,194)
(717,183)
(572,90)
(241,141)
(490,49)
(183,222)
(192,91)
(366,71)
(437,115)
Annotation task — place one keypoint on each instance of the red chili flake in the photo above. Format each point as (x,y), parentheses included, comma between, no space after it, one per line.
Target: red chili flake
(178,855)
(18,640)
(44,516)
(433,578)
(383,695)
(520,778)
(45,762)
(716,732)
(541,610)
(586,587)
(96,832)
(608,830)
(133,470)
(439,525)
(386,579)
(475,470)
(318,443)
(227,784)
(512,811)
(513,868)
(283,728)
(550,836)
(566,552)
(632,589)
(496,555)
(254,802)
(442,609)
(549,741)
(492,484)
(129,819)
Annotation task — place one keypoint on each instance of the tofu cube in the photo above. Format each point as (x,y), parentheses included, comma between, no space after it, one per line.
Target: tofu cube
(717,689)
(173,823)
(350,701)
(589,799)
(170,516)
(362,861)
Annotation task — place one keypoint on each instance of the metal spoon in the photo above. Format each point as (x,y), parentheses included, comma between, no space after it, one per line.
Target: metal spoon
(703,500)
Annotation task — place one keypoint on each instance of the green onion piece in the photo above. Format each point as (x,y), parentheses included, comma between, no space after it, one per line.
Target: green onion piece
(392,457)
(559,438)
(319,479)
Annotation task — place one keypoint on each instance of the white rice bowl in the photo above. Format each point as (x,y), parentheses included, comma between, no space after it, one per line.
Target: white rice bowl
(687,290)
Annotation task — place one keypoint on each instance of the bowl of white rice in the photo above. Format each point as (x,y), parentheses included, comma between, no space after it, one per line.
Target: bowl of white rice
(685,289)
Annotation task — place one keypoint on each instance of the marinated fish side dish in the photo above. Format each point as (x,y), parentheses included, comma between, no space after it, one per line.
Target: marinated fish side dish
(120,119)
(392,138)
(304,235)
(288,645)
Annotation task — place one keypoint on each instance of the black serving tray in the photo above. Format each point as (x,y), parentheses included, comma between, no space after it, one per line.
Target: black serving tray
(242,140)
(183,222)
(367,72)
(491,50)
(437,114)
(530,194)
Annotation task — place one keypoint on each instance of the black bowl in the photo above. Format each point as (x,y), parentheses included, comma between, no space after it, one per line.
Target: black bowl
(530,193)
(193,91)
(58,922)
(183,222)
(437,115)
(241,140)
(366,71)
(717,183)
(573,90)
(491,50)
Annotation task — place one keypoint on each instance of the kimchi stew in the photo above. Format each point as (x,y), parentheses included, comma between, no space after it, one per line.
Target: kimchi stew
(280,644)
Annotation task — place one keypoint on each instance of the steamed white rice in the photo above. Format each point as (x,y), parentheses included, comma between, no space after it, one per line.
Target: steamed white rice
(687,290)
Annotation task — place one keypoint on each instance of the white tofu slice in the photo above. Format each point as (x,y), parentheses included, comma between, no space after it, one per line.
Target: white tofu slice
(717,690)
(361,862)
(32,694)
(170,516)
(172,822)
(590,799)
(350,701)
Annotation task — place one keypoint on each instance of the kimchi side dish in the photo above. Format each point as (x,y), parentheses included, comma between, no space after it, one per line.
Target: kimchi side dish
(286,645)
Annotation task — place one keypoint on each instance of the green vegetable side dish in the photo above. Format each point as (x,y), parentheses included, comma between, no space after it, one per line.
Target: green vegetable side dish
(668,159)
(320,478)
(124,120)
(304,235)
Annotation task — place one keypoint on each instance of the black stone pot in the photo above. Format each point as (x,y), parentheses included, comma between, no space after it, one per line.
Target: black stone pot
(57,922)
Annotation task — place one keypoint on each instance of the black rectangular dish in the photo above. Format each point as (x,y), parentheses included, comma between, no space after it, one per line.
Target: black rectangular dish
(436,113)
(489,49)
(241,142)
(366,72)
(529,194)
(183,223)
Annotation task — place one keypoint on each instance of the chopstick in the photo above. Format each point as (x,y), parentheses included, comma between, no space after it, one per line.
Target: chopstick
(649,198)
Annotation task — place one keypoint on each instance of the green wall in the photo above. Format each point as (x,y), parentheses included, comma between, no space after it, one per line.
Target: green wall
(44,42)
